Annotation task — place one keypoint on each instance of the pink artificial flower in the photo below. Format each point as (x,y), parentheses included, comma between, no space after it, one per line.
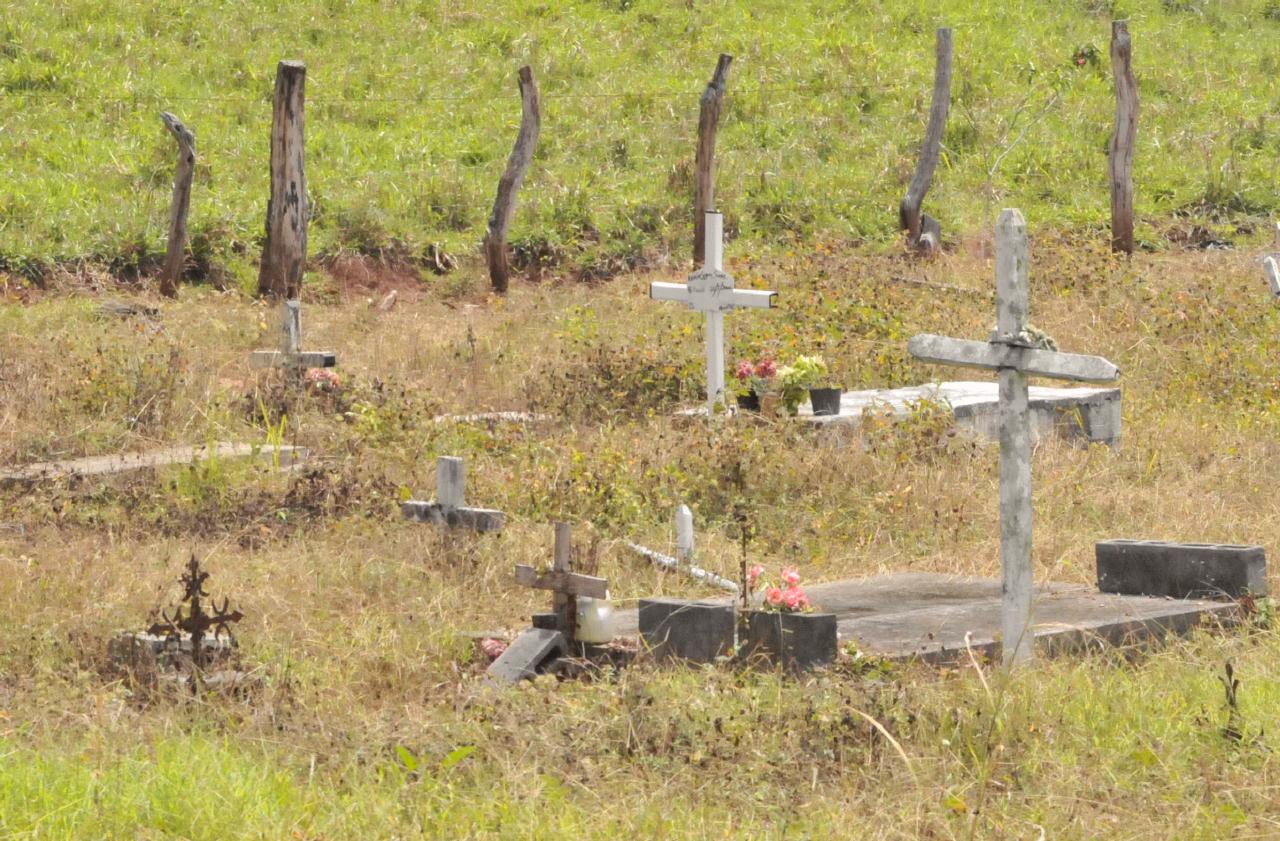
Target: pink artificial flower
(754,573)
(766,368)
(793,597)
(773,597)
(493,648)
(790,576)
(744,371)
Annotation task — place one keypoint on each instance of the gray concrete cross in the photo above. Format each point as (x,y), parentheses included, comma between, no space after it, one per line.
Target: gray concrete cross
(450,508)
(711,290)
(290,354)
(1011,351)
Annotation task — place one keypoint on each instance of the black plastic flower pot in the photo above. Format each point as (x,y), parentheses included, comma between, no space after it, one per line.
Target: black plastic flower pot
(826,401)
(749,402)
(794,641)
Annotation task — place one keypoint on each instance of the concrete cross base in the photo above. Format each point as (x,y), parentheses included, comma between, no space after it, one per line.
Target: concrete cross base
(304,360)
(1080,414)
(51,471)
(478,519)
(925,616)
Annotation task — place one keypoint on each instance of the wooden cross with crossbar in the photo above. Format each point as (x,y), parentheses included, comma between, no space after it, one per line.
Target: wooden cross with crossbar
(564,584)
(1012,351)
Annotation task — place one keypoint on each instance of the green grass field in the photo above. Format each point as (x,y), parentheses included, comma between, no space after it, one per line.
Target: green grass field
(412,110)
(366,717)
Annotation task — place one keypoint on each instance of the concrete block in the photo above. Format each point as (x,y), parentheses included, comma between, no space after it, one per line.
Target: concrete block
(795,641)
(693,631)
(477,519)
(532,651)
(1180,570)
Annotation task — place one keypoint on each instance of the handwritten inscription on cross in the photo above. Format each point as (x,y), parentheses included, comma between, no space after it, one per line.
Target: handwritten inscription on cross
(711,290)
(1012,351)
(564,584)
(290,354)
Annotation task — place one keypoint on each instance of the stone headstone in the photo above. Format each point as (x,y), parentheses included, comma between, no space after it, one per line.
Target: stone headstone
(1180,570)
(694,631)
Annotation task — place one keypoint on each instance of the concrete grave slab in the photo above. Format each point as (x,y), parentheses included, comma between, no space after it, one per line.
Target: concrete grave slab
(50,471)
(532,650)
(920,615)
(1180,570)
(1088,413)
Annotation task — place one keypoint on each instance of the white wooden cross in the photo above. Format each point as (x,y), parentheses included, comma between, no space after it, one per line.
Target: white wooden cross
(449,507)
(711,290)
(290,354)
(1012,353)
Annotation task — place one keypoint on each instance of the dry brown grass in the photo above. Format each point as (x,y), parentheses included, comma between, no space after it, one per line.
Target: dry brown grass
(357,619)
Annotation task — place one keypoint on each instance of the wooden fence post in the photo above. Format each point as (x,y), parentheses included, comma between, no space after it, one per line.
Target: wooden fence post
(171,273)
(504,203)
(284,255)
(924,233)
(704,197)
(1122,141)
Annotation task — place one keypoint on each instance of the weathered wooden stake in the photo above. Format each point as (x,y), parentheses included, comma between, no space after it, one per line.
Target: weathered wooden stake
(924,233)
(171,273)
(704,197)
(504,203)
(284,255)
(1122,141)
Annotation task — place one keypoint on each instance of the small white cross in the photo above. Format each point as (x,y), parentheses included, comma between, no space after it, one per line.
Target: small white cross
(711,290)
(1009,352)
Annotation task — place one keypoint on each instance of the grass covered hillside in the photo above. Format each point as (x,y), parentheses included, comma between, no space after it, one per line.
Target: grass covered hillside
(412,109)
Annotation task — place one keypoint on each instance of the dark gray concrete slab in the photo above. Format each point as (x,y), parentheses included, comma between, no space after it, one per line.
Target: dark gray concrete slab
(1180,570)
(927,615)
(695,631)
(532,650)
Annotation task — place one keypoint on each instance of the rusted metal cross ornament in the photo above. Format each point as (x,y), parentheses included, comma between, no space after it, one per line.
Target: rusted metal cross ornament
(196,622)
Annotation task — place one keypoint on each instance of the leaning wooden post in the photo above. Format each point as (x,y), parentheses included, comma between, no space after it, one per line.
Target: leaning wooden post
(284,255)
(704,197)
(504,204)
(1122,141)
(924,234)
(171,273)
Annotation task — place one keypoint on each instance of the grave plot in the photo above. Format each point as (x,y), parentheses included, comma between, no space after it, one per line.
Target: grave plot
(579,628)
(192,650)
(1089,413)
(935,618)
(449,507)
(98,466)
(711,291)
